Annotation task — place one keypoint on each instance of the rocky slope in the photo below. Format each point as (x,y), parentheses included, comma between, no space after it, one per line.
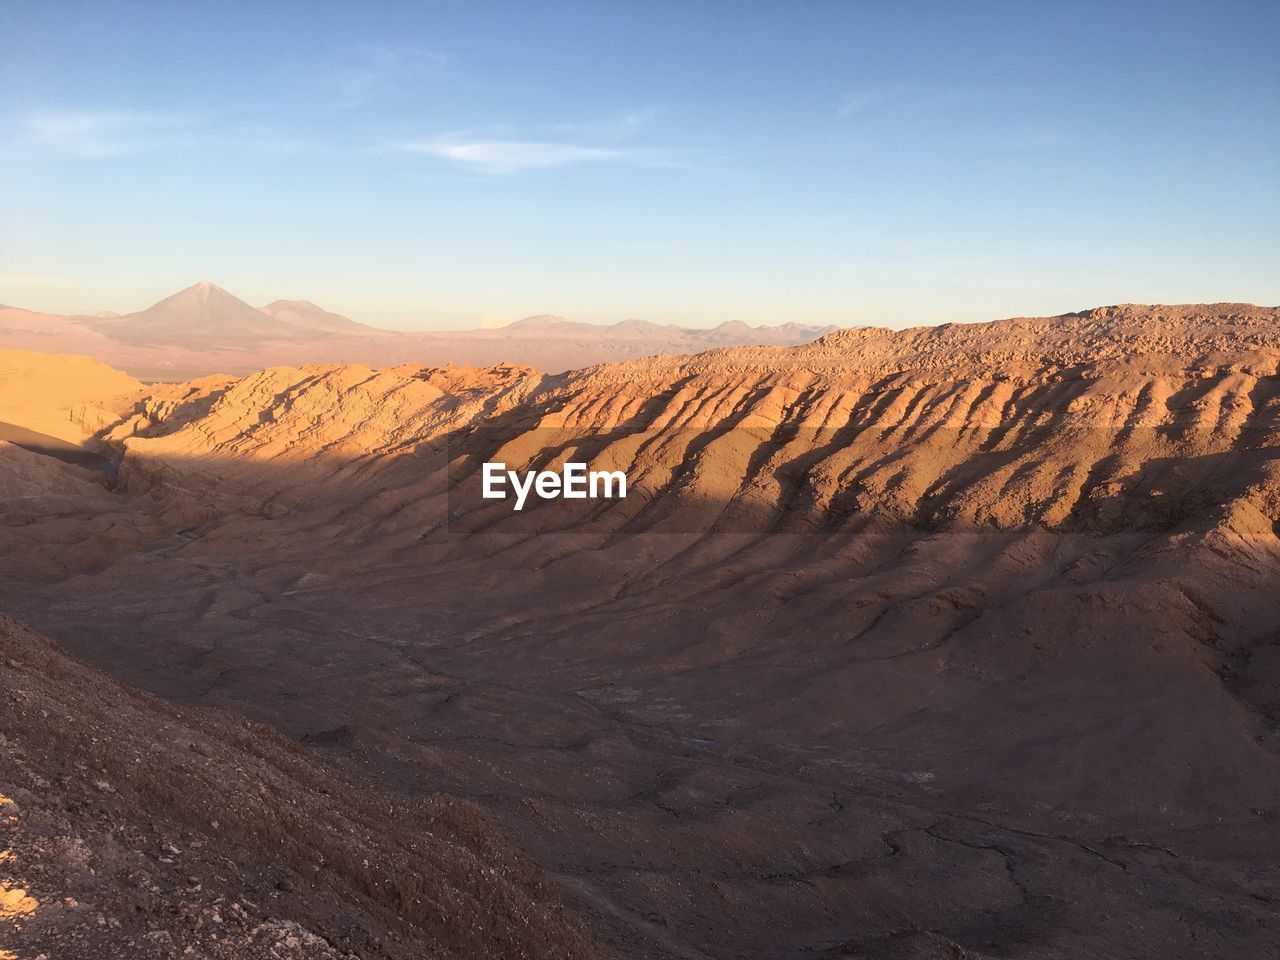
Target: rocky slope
(1124,418)
(133,829)
(956,641)
(70,398)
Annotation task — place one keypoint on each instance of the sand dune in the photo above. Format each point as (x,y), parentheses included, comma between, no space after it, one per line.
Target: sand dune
(953,641)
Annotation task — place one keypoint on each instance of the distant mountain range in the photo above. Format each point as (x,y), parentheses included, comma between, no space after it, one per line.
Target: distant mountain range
(204,329)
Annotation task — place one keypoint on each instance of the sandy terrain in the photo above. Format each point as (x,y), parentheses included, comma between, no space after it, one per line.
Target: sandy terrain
(951,642)
(70,398)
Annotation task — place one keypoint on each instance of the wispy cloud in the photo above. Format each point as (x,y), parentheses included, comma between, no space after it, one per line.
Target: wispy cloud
(378,71)
(902,98)
(100,133)
(104,133)
(622,126)
(862,101)
(510,156)
(502,149)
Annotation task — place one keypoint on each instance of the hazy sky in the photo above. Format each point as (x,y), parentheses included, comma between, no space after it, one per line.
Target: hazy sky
(831,162)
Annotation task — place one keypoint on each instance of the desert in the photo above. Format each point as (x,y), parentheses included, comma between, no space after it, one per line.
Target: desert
(940,642)
(639,481)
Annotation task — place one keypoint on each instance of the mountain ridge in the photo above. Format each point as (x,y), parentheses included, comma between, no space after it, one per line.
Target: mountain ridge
(864,389)
(902,644)
(205,330)
(198,314)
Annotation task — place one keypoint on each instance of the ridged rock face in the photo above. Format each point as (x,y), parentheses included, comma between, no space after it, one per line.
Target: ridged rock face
(956,641)
(1123,418)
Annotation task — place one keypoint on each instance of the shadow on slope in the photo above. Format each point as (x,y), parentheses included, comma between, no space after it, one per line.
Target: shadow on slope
(59,449)
(132,826)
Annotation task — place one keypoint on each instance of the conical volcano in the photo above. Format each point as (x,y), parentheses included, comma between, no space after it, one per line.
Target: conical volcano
(201,314)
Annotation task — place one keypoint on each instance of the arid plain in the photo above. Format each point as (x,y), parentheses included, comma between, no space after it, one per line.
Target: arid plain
(958,641)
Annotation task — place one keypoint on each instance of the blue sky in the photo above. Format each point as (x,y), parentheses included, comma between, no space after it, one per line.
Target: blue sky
(437,165)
